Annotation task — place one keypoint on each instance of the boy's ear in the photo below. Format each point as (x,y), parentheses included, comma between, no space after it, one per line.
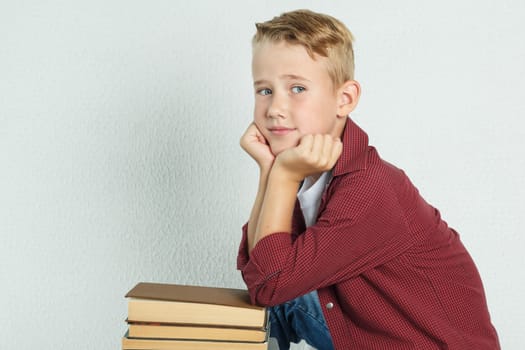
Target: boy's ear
(348,96)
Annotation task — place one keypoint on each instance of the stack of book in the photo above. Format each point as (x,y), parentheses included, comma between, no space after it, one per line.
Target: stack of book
(180,317)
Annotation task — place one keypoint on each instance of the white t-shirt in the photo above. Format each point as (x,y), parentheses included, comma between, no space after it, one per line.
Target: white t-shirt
(309,196)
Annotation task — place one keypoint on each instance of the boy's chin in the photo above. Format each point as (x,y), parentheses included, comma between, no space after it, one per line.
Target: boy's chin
(277,149)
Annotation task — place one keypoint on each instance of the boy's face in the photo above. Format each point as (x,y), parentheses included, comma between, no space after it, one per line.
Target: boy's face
(294,95)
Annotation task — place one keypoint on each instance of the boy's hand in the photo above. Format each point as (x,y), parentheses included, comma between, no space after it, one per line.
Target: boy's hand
(314,154)
(254,143)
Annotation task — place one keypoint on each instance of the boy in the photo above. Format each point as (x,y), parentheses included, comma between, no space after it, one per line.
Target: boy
(339,243)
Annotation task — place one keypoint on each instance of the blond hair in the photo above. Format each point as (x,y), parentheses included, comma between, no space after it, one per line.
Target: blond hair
(319,34)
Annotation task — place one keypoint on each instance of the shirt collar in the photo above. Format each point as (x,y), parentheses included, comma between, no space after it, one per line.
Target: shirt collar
(355,146)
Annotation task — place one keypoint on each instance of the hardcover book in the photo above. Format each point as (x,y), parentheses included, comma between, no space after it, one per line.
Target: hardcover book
(193,305)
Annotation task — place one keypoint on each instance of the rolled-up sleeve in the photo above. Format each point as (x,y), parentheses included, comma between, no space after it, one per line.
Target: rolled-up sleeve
(243,256)
(264,265)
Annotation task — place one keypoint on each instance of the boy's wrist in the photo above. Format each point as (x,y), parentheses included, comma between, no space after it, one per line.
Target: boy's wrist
(265,168)
(285,177)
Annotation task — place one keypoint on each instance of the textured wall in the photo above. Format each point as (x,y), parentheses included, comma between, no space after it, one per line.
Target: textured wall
(119,157)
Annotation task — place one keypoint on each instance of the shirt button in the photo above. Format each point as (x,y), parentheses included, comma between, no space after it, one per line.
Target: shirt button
(329,306)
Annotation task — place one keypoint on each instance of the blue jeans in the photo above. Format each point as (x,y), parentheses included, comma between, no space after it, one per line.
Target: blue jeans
(301,318)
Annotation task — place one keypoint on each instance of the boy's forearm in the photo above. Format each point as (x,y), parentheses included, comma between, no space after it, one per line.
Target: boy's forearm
(277,206)
(256,209)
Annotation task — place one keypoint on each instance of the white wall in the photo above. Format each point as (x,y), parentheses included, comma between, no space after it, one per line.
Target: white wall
(119,157)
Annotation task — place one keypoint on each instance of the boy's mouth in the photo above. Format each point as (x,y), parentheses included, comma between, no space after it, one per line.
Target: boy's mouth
(280,130)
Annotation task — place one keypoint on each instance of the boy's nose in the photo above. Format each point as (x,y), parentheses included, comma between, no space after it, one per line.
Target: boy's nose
(278,107)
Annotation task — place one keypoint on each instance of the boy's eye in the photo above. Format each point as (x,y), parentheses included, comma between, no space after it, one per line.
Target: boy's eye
(297,89)
(264,92)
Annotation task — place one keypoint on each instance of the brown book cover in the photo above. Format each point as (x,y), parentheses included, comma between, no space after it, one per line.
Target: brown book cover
(192,294)
(199,305)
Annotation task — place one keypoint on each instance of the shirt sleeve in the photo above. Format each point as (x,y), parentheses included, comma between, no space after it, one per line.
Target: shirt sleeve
(243,256)
(361,227)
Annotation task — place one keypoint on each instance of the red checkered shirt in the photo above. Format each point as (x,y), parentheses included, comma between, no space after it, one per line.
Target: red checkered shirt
(389,272)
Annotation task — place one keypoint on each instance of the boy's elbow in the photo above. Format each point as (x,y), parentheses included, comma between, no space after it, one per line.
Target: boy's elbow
(262,289)
(262,296)
(269,294)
